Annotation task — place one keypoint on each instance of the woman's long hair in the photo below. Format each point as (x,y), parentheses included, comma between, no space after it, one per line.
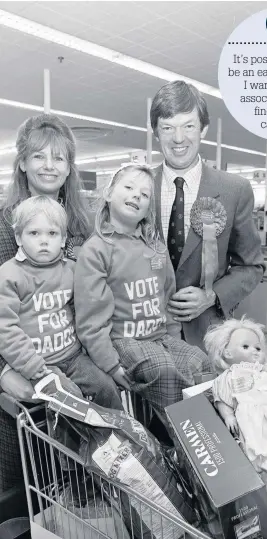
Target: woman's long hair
(34,135)
(147,224)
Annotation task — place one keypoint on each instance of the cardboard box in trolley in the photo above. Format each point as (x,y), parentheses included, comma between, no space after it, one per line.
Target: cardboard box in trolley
(230,496)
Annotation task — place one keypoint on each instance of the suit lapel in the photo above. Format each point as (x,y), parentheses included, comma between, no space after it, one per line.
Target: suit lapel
(208,188)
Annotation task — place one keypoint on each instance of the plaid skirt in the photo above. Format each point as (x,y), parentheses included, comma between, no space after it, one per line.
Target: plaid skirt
(159,370)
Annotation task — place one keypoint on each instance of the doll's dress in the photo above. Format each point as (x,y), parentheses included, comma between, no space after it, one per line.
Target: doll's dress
(244,388)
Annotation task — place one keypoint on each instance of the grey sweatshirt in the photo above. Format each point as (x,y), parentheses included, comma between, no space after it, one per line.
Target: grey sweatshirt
(121,290)
(36,319)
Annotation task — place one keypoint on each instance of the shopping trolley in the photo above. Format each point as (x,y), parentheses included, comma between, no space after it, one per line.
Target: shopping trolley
(68,501)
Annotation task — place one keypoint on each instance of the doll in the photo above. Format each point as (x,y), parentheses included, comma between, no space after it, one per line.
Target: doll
(238,350)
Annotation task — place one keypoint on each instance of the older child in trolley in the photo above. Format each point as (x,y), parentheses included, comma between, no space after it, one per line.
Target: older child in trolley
(123,281)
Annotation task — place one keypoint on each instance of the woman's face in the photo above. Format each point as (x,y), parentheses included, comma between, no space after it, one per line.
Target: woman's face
(46,171)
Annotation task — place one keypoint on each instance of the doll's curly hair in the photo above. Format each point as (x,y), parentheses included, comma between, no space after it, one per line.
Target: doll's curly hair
(218,337)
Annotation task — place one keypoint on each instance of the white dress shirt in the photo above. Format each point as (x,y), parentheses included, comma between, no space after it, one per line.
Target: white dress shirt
(168,191)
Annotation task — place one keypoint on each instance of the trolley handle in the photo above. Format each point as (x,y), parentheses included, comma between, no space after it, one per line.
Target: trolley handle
(13,407)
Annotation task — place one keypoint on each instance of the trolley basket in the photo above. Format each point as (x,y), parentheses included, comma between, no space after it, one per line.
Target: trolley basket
(67,501)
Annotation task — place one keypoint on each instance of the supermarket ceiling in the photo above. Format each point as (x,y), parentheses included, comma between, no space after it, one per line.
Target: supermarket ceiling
(183,37)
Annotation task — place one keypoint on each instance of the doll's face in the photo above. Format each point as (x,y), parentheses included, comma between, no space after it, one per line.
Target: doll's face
(244,345)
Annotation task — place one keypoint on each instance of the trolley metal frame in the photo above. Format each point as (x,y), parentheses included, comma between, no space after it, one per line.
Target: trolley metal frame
(58,507)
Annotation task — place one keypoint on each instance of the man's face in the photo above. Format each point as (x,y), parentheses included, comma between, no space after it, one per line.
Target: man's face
(180,138)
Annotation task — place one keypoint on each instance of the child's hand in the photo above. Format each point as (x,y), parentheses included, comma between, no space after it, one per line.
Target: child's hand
(17,386)
(40,374)
(232,425)
(120,378)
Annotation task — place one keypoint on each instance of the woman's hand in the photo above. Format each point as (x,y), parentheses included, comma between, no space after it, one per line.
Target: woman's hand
(17,386)
(120,378)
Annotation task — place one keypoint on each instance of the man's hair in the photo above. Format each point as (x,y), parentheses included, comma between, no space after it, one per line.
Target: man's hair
(178,97)
(34,135)
(34,206)
(217,339)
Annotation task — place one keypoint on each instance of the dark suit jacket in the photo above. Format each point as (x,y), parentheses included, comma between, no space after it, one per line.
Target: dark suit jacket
(241,263)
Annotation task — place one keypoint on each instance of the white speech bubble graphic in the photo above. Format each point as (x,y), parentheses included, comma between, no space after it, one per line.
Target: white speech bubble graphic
(242,74)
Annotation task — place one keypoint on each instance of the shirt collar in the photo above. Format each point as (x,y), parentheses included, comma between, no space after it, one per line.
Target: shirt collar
(108,228)
(21,256)
(190,177)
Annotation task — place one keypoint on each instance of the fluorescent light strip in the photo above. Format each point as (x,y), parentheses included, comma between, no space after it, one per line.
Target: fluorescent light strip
(245,170)
(105,172)
(102,158)
(244,150)
(32,28)
(235,148)
(96,159)
(6,172)
(7,151)
(109,157)
(37,108)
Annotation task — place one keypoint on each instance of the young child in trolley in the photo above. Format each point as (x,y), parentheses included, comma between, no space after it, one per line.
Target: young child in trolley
(37,332)
(123,281)
(238,350)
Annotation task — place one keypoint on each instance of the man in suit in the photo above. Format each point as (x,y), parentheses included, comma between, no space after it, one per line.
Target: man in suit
(180,119)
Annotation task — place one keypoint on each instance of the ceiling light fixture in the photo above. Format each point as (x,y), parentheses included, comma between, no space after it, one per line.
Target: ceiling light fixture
(7,150)
(102,158)
(107,172)
(244,170)
(38,108)
(109,157)
(104,172)
(235,148)
(6,172)
(245,150)
(32,28)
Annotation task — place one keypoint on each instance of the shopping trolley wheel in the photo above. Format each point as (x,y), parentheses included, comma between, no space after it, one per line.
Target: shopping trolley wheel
(15,528)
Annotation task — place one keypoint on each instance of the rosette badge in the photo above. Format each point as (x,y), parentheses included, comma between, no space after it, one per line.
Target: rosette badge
(208,219)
